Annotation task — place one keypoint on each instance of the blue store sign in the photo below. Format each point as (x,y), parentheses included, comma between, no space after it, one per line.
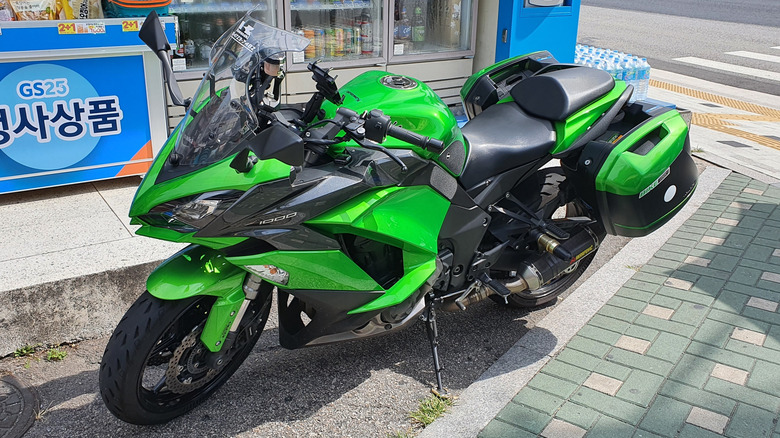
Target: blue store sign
(65,121)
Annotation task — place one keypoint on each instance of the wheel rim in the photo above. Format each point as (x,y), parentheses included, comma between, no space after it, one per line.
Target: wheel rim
(175,372)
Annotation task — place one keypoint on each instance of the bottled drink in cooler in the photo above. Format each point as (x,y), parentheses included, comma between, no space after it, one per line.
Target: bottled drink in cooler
(418,29)
(366,34)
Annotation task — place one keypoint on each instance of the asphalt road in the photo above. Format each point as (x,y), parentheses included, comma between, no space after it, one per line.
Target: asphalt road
(682,36)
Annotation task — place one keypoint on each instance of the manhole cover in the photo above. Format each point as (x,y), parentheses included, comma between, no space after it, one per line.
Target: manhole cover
(18,404)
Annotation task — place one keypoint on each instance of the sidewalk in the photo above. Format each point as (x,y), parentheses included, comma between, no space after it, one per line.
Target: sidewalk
(679,335)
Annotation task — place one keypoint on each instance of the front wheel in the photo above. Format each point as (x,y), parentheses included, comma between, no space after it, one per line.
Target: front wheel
(154,367)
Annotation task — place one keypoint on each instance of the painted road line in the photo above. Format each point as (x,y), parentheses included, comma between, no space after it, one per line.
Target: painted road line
(753,55)
(764,74)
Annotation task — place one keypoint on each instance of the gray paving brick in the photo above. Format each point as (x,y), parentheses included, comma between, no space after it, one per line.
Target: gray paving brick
(577,415)
(553,385)
(732,302)
(745,275)
(634,294)
(760,303)
(753,291)
(565,371)
(641,285)
(708,286)
(730,374)
(617,313)
(664,301)
(599,334)
(664,325)
(658,311)
(650,278)
(638,361)
(707,419)
(726,357)
(758,253)
(709,272)
(663,263)
(640,387)
(637,331)
(750,422)
(608,427)
(691,431)
(614,407)
(627,303)
(738,241)
(599,382)
(742,394)
(714,333)
(668,347)
(724,262)
(693,297)
(773,338)
(609,323)
(678,283)
(500,429)
(691,314)
(589,346)
(752,351)
(665,416)
(738,320)
(539,400)
(692,370)
(698,397)
(761,315)
(765,377)
(524,418)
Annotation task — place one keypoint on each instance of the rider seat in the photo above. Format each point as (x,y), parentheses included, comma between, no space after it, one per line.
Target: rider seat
(501,138)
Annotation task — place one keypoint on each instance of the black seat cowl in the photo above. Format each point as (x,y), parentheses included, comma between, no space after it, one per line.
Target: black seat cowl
(558,94)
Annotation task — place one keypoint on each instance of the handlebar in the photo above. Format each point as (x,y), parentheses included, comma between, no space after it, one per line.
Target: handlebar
(431,144)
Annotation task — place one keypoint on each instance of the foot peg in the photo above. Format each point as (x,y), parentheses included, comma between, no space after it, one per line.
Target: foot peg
(496,285)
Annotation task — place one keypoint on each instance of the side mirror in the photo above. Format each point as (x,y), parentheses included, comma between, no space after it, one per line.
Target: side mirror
(152,35)
(280,143)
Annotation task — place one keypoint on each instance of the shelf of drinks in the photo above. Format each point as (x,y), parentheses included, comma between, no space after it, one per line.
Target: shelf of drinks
(211,8)
(329,5)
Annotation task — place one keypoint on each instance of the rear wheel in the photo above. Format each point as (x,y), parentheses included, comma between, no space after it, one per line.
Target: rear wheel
(154,367)
(551,205)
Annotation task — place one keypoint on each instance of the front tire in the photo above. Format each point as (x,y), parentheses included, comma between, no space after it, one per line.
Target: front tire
(153,369)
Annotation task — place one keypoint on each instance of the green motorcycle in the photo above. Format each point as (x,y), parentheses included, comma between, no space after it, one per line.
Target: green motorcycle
(369,208)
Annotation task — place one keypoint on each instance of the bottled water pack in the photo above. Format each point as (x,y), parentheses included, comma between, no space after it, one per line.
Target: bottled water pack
(623,66)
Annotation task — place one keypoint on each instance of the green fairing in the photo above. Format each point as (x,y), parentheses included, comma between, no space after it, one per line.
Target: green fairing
(418,109)
(314,270)
(218,176)
(627,173)
(568,131)
(392,216)
(175,236)
(197,270)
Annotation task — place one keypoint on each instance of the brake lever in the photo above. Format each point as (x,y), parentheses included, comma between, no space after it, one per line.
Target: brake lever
(376,147)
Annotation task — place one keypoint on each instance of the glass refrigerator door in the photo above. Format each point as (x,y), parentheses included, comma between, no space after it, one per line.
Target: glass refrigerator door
(432,27)
(344,31)
(202,22)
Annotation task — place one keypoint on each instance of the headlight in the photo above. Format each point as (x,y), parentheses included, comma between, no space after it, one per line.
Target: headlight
(191,213)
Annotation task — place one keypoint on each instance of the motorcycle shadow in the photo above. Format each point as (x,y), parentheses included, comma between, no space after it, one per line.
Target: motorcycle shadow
(359,388)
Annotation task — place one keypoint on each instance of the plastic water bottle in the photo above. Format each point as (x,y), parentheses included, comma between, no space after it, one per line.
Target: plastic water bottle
(643,77)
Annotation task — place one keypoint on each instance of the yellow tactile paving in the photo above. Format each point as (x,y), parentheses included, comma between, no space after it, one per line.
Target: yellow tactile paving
(720,122)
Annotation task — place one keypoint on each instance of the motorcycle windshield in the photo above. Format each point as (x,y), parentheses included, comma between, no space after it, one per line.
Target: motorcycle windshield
(223,112)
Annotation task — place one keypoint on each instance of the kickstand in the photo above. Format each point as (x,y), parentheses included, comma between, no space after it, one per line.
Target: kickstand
(433,337)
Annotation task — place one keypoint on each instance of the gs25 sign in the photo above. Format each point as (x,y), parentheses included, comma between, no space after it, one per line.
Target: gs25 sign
(45,88)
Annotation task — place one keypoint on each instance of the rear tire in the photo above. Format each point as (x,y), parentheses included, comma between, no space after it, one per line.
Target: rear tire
(157,339)
(551,205)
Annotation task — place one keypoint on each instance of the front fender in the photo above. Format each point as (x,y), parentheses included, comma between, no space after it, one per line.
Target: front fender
(198,270)
(195,270)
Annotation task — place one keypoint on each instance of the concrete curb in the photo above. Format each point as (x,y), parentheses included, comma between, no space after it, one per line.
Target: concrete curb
(482,400)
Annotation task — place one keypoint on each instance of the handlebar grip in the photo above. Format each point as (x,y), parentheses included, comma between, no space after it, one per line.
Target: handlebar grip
(431,144)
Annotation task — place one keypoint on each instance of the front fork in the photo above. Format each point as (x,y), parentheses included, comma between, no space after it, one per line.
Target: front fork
(224,320)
